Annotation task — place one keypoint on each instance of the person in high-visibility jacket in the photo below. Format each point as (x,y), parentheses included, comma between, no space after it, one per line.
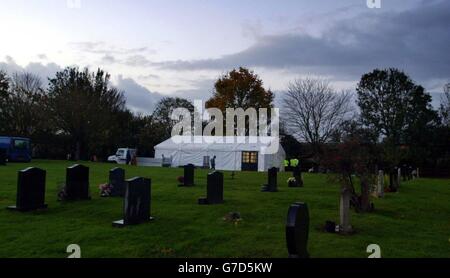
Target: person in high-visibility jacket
(286,163)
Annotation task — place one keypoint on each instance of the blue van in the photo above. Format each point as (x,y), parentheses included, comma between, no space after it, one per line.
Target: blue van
(17,149)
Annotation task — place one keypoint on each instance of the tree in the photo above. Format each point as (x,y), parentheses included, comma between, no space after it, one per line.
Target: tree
(4,84)
(240,88)
(357,154)
(4,87)
(444,109)
(84,106)
(163,112)
(395,106)
(22,112)
(313,110)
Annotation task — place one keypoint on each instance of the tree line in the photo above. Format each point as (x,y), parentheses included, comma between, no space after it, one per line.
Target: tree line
(80,113)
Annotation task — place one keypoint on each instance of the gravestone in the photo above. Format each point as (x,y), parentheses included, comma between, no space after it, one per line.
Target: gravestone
(410,173)
(399,176)
(393,180)
(297,174)
(188,175)
(404,171)
(30,190)
(137,203)
(2,157)
(214,189)
(344,211)
(77,183)
(272,181)
(297,230)
(380,184)
(117,182)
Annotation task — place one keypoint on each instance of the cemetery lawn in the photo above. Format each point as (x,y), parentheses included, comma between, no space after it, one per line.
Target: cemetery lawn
(412,223)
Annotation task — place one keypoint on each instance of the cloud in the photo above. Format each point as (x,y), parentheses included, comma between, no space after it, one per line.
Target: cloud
(108,59)
(101,47)
(44,71)
(415,40)
(137,61)
(42,56)
(139,99)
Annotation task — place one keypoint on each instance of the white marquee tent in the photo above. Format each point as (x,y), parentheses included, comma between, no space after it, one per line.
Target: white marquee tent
(241,154)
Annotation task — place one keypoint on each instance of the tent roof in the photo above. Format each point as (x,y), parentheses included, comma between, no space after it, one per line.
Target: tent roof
(218,143)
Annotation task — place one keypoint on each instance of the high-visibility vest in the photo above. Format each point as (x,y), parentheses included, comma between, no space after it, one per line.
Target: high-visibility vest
(286,163)
(294,162)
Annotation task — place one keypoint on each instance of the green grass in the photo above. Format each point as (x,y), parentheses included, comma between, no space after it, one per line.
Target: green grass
(412,223)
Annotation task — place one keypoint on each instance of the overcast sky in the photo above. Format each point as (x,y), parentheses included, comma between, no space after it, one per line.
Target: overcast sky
(168,47)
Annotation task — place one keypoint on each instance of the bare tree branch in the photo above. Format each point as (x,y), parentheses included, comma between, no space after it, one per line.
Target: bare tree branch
(313,110)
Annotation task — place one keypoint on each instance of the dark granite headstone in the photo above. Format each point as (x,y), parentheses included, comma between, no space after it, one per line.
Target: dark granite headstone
(2,157)
(214,189)
(188,175)
(297,174)
(136,203)
(77,183)
(117,182)
(297,230)
(30,190)
(272,181)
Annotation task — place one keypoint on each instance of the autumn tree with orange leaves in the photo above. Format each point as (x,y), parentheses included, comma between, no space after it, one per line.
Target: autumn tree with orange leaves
(240,88)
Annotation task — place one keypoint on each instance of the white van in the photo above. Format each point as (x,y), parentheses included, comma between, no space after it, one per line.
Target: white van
(121,155)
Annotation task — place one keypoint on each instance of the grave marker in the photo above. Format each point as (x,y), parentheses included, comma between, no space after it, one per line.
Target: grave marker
(345,226)
(380,184)
(117,182)
(188,175)
(2,157)
(30,190)
(214,189)
(137,203)
(77,183)
(297,230)
(272,181)
(297,174)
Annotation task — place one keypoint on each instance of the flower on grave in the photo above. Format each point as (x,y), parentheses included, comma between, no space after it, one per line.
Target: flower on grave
(234,217)
(62,194)
(292,181)
(180,179)
(105,189)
